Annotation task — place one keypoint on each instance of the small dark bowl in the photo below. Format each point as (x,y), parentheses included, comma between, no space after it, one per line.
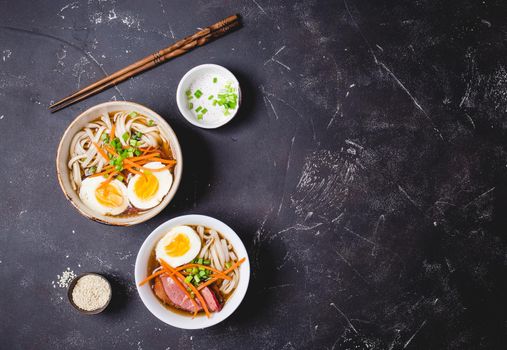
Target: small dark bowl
(71,288)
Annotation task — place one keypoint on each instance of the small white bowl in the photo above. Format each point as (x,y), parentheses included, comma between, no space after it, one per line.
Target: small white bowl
(186,82)
(175,319)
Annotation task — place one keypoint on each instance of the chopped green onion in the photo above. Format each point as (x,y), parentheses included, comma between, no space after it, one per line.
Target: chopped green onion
(133,142)
(198,108)
(215,79)
(215,103)
(138,152)
(201,269)
(119,178)
(228,264)
(189,270)
(118,167)
(133,114)
(198,93)
(150,122)
(92,169)
(200,261)
(204,111)
(206,262)
(199,117)
(188,92)
(197,279)
(190,106)
(188,279)
(202,273)
(210,97)
(192,295)
(125,136)
(195,270)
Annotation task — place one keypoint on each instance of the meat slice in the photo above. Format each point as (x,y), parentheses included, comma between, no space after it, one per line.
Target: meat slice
(211,299)
(176,296)
(169,292)
(158,289)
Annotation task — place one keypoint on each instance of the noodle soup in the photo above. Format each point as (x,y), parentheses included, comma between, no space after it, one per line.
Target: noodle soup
(193,270)
(120,164)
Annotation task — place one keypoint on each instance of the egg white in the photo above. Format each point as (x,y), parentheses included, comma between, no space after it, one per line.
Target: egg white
(175,261)
(87,195)
(165,181)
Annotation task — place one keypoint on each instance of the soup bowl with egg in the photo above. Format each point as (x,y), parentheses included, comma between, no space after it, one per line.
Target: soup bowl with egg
(192,272)
(119,163)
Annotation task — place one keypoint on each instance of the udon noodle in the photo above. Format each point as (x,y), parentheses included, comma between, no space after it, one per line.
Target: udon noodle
(120,146)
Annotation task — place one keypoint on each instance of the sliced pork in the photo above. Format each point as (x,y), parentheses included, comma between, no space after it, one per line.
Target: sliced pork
(168,291)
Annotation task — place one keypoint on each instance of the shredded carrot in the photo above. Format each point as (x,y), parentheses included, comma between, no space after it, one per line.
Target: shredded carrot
(113,128)
(109,169)
(234,266)
(208,282)
(152,276)
(166,161)
(171,272)
(101,151)
(146,156)
(225,277)
(109,179)
(133,171)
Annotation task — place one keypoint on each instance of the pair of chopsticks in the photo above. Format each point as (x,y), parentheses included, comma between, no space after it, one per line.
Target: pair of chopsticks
(179,48)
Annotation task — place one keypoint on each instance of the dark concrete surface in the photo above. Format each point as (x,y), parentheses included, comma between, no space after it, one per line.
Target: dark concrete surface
(365,173)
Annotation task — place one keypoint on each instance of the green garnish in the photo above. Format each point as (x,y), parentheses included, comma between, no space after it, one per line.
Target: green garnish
(195,270)
(133,114)
(150,122)
(199,117)
(125,136)
(119,167)
(138,152)
(204,111)
(197,279)
(228,264)
(202,273)
(133,142)
(92,169)
(198,108)
(119,178)
(210,97)
(206,262)
(198,93)
(199,261)
(190,106)
(188,279)
(215,79)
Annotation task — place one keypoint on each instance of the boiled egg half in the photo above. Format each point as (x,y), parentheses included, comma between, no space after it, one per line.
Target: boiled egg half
(147,190)
(106,198)
(179,246)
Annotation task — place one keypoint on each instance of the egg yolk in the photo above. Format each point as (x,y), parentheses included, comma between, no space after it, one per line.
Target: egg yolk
(146,186)
(109,195)
(179,245)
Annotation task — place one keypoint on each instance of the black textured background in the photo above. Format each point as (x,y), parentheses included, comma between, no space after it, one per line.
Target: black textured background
(365,172)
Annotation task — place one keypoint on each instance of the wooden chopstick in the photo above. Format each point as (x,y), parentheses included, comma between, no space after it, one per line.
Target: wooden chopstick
(181,47)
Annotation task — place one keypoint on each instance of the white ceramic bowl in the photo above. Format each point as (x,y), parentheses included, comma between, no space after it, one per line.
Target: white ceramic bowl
(153,304)
(62,158)
(186,82)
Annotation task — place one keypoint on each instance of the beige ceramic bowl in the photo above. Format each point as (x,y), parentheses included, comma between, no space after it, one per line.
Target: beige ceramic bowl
(62,158)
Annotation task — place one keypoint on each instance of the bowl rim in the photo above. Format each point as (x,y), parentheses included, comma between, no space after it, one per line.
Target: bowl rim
(153,304)
(150,213)
(183,110)
(73,283)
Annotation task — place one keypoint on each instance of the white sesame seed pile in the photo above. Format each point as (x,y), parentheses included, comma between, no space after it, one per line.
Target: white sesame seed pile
(64,279)
(91,292)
